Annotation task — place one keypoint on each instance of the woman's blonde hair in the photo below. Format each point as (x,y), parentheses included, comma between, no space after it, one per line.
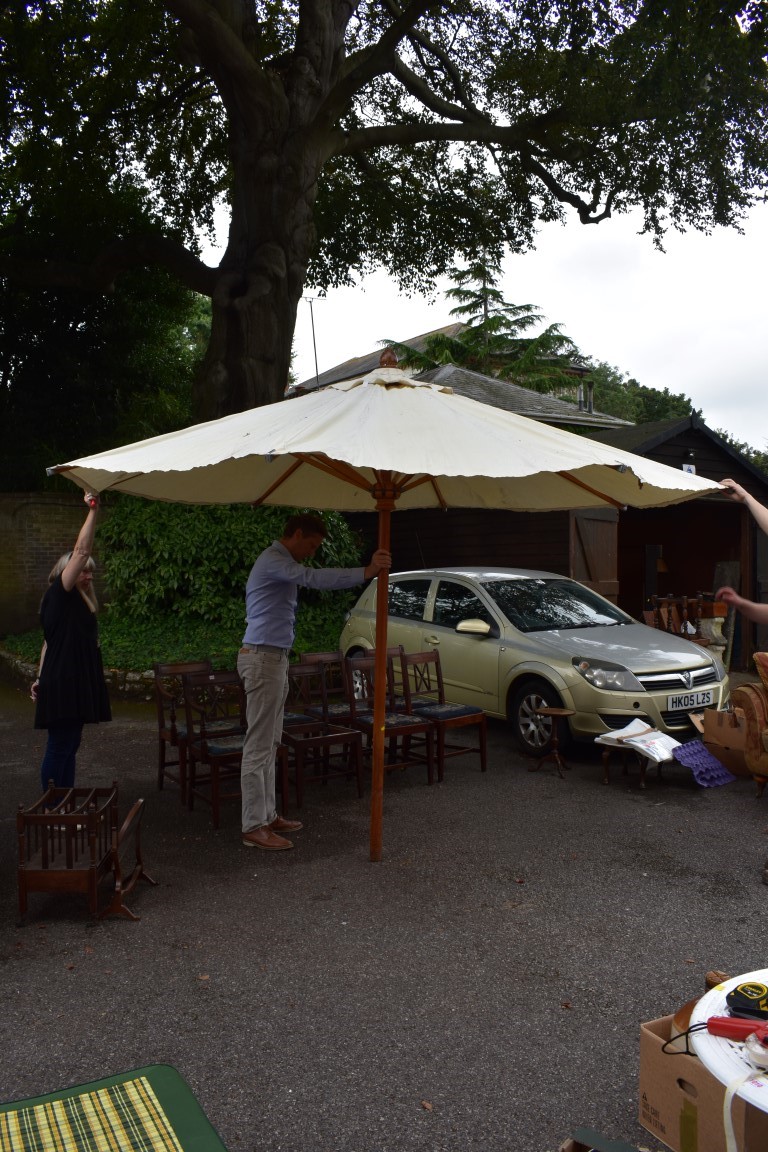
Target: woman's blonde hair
(63,560)
(89,566)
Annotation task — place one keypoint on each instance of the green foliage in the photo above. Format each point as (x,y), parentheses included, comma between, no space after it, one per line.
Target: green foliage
(394,134)
(490,336)
(618,394)
(175,579)
(26,646)
(83,371)
(134,645)
(755,456)
(189,565)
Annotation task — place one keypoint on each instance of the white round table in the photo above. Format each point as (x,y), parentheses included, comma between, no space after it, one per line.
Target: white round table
(727,1059)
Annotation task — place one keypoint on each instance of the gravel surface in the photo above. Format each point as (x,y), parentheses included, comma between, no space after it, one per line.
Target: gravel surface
(480,988)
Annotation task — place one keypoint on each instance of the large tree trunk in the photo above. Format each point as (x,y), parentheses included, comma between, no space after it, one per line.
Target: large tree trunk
(261,276)
(277,150)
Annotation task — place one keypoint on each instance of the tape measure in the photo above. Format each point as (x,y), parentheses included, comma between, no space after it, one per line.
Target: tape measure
(749,999)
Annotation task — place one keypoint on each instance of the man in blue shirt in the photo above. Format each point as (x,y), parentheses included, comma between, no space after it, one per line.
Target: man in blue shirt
(271,594)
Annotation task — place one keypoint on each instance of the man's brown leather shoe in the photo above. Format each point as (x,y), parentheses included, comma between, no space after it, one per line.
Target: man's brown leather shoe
(281,825)
(266,839)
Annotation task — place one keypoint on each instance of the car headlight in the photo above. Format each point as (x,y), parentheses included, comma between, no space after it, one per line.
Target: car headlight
(719,667)
(607,676)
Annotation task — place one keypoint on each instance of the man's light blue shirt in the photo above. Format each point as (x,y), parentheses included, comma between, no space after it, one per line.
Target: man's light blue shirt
(271,593)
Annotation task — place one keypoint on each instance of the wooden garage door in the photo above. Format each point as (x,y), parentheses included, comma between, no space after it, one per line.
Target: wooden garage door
(594,550)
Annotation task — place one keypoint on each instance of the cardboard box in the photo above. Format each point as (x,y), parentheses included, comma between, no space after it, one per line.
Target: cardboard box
(725,735)
(681,1103)
(730,758)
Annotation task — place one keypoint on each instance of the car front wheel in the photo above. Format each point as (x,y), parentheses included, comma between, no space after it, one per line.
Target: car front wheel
(357,679)
(532,732)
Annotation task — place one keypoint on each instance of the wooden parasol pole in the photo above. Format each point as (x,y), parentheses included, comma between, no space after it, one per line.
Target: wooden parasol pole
(385,502)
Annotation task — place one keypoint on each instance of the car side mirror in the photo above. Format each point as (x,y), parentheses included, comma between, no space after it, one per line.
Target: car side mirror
(474,627)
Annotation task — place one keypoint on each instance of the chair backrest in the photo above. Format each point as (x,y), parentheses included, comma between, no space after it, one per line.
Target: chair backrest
(321,657)
(395,673)
(332,665)
(360,672)
(422,678)
(169,691)
(214,701)
(680,614)
(306,686)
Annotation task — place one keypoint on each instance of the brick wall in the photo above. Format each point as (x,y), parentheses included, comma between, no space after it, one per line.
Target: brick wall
(35,528)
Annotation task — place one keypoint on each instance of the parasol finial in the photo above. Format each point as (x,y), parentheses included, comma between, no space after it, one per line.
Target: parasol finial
(387,359)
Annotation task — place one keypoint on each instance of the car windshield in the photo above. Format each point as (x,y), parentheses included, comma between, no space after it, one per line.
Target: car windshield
(540,605)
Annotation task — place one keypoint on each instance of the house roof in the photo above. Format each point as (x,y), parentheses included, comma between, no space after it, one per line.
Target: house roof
(360,365)
(542,406)
(545,407)
(644,439)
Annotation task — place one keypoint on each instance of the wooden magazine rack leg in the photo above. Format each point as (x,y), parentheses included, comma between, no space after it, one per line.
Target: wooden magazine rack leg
(127,863)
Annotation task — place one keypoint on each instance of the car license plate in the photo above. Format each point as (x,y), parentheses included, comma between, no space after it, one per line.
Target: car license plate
(686,701)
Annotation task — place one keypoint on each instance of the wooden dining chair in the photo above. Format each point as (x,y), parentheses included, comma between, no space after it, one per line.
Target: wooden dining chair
(328,689)
(171,723)
(316,752)
(216,726)
(312,748)
(424,695)
(303,682)
(409,739)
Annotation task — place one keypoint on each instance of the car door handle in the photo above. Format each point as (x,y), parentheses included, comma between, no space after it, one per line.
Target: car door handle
(431,639)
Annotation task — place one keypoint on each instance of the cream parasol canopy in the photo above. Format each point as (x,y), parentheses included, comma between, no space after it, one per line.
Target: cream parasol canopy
(381,442)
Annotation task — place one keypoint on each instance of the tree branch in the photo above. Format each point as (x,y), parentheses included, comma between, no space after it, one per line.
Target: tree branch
(100,275)
(586,210)
(401,135)
(420,40)
(365,65)
(511,138)
(421,91)
(222,49)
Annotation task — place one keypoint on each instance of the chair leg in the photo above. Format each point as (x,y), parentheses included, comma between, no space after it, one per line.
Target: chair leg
(282,767)
(215,796)
(357,752)
(298,767)
(161,764)
(191,781)
(182,771)
(440,752)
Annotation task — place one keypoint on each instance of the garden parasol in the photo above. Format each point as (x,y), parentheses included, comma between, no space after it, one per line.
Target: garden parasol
(383,441)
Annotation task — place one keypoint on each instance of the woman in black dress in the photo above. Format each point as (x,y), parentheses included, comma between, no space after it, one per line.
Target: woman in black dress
(70,690)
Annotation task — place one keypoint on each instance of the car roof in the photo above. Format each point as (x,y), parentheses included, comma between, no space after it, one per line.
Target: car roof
(484,573)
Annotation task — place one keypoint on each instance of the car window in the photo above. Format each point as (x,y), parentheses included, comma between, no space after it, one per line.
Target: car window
(541,605)
(455,602)
(407,598)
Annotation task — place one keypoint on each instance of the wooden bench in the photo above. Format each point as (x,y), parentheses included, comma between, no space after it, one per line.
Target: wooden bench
(70,840)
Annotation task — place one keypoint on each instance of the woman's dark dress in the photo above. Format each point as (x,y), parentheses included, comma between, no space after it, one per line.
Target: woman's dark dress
(72,683)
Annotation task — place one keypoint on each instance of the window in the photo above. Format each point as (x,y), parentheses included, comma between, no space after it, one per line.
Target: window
(537,605)
(407,598)
(455,603)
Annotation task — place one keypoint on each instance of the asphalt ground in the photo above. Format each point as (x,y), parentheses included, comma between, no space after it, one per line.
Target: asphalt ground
(480,988)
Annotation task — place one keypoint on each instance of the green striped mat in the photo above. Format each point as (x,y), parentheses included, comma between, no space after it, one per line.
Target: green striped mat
(125,1117)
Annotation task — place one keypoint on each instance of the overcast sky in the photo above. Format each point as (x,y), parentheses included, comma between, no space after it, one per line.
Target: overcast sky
(691,320)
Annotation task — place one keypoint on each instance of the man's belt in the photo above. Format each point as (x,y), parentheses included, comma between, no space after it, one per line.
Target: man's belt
(264,648)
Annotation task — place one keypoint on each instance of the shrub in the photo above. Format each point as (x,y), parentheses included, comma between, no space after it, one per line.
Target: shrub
(174,582)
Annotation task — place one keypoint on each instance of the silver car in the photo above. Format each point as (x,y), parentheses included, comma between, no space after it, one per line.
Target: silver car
(512,640)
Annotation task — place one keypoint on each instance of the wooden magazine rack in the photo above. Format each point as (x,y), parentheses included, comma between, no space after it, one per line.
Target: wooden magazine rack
(70,840)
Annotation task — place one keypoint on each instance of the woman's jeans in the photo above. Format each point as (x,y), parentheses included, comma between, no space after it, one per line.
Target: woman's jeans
(59,760)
